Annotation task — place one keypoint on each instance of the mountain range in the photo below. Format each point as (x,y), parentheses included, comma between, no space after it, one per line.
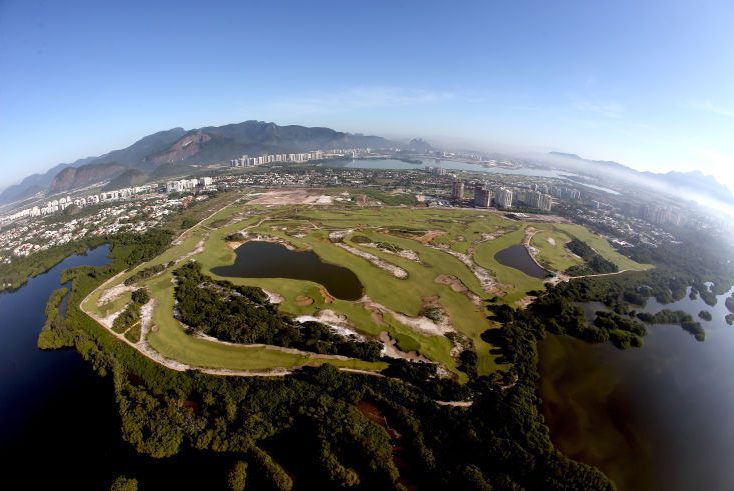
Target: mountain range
(162,152)
(692,184)
(171,152)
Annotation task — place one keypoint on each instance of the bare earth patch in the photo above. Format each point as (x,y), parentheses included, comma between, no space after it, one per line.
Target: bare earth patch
(113,293)
(293,197)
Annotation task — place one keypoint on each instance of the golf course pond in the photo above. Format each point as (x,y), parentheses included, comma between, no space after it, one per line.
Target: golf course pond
(517,256)
(259,259)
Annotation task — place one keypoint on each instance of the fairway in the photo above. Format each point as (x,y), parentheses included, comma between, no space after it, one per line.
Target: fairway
(552,252)
(427,274)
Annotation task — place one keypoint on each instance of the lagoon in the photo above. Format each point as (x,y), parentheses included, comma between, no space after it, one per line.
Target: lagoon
(446,164)
(656,417)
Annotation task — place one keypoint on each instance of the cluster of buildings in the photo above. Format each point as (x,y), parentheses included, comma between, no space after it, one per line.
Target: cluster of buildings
(660,215)
(561,192)
(437,170)
(538,200)
(246,161)
(134,215)
(60,204)
(535,196)
(484,197)
(188,185)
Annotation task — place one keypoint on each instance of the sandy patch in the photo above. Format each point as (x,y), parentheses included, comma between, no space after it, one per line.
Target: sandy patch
(405,253)
(391,350)
(232,245)
(273,297)
(337,322)
(326,295)
(551,241)
(292,197)
(525,301)
(303,301)
(429,236)
(114,292)
(486,280)
(459,287)
(396,271)
(419,324)
(338,235)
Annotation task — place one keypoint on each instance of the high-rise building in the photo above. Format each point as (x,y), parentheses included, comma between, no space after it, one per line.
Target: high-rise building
(539,200)
(482,196)
(457,190)
(503,198)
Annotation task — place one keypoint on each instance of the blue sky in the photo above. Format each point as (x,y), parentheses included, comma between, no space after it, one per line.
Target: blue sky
(647,83)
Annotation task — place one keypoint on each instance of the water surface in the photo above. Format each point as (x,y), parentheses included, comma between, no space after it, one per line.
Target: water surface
(656,417)
(258,259)
(517,256)
(61,418)
(446,164)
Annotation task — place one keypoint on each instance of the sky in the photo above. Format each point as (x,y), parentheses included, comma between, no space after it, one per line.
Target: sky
(646,83)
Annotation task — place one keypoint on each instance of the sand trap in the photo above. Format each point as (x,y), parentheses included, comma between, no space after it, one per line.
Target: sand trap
(303,301)
(273,297)
(429,236)
(459,287)
(419,324)
(337,322)
(396,271)
(551,241)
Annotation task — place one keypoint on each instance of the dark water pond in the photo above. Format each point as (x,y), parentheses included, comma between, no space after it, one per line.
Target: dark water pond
(258,259)
(517,256)
(656,417)
(60,418)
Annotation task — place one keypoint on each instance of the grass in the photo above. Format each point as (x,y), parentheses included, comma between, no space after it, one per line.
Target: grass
(552,251)
(514,282)
(399,226)
(602,247)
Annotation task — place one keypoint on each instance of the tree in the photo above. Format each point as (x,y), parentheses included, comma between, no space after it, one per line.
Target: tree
(124,483)
(237,476)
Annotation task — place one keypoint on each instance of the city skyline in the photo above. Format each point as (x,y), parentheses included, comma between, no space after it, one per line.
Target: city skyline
(644,85)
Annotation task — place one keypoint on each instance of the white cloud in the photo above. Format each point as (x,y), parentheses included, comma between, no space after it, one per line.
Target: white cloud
(360,98)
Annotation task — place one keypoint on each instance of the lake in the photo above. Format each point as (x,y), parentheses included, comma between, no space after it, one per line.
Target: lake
(61,418)
(656,417)
(259,259)
(594,186)
(517,256)
(395,164)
